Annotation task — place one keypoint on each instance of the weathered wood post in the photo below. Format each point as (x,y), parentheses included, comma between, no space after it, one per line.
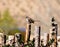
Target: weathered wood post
(58,40)
(1,39)
(37,36)
(10,39)
(18,39)
(54,32)
(28,29)
(4,39)
(46,39)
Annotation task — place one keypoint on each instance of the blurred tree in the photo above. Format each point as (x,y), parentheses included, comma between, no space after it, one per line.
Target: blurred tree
(7,22)
(8,25)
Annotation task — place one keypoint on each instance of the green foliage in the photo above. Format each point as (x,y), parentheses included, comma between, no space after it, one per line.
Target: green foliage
(50,42)
(8,25)
(13,31)
(6,46)
(29,44)
(7,22)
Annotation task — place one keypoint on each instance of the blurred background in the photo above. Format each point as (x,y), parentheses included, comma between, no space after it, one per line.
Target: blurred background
(13,13)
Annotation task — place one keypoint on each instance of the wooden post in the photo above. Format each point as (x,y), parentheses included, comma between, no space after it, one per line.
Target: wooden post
(45,39)
(4,39)
(37,36)
(28,32)
(54,32)
(1,39)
